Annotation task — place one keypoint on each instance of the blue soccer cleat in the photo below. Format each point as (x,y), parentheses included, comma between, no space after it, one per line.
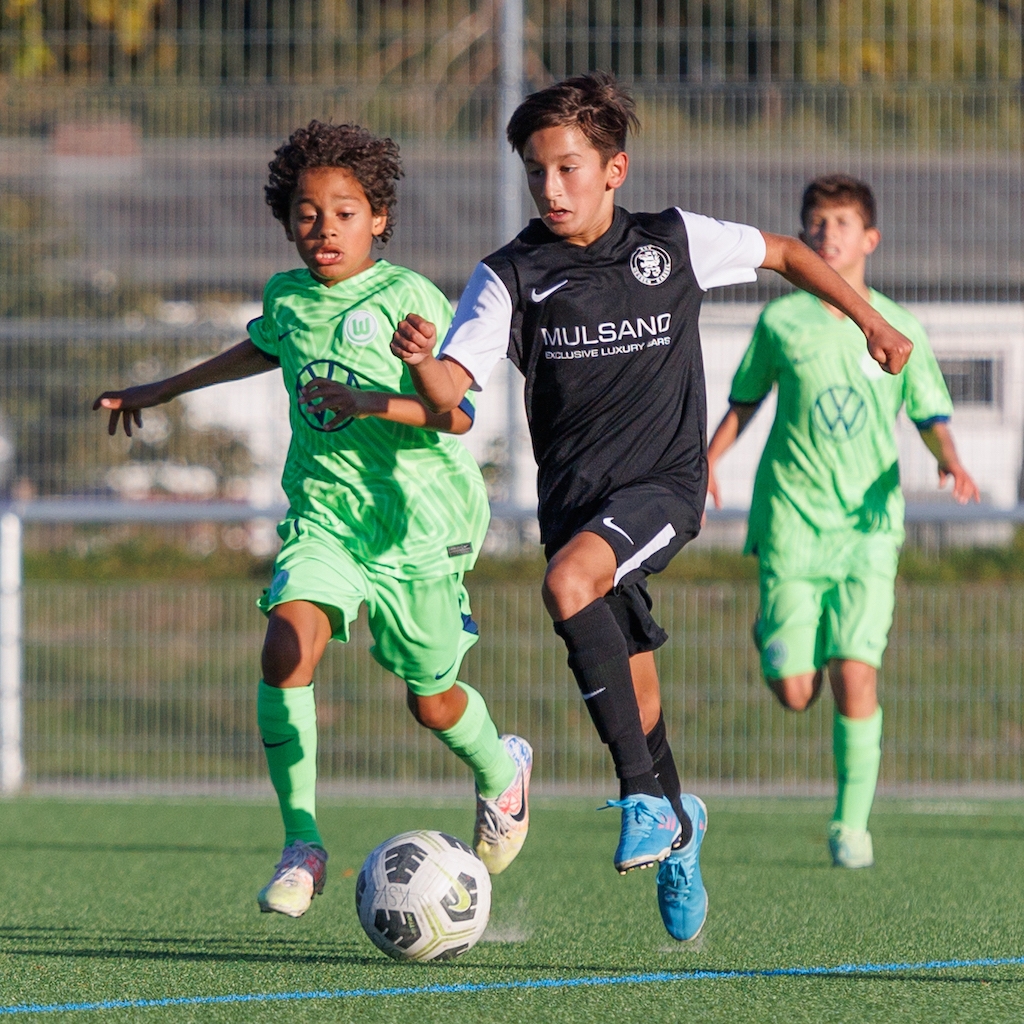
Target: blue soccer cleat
(682,898)
(649,828)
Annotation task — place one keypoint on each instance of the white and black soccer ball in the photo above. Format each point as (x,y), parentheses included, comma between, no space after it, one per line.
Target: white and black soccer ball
(423,896)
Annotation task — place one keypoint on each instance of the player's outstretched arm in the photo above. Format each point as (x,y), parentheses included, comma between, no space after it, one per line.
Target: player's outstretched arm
(733,424)
(240,361)
(939,439)
(346,403)
(802,267)
(441,383)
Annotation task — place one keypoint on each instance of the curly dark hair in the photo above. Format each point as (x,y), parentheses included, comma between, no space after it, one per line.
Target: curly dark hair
(594,103)
(373,162)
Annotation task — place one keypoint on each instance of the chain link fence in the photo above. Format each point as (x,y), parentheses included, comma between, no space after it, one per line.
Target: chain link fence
(134,239)
(152,687)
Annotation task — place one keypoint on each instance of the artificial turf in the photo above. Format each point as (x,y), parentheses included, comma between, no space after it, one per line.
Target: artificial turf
(145,900)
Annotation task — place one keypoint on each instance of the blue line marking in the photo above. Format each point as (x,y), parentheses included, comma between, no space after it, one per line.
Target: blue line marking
(655,977)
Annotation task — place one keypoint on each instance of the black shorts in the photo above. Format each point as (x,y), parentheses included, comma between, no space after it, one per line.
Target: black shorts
(646,525)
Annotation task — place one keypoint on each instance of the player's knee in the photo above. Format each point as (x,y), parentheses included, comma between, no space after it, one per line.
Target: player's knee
(567,589)
(285,659)
(797,693)
(438,711)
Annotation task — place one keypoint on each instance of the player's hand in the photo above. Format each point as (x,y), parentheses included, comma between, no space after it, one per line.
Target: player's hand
(964,487)
(713,492)
(888,347)
(414,340)
(320,395)
(125,406)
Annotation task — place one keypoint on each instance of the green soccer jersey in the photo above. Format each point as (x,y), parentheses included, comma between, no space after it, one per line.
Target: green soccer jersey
(404,501)
(830,462)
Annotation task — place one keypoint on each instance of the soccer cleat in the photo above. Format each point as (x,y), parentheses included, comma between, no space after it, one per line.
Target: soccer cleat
(849,848)
(502,823)
(682,898)
(299,876)
(649,828)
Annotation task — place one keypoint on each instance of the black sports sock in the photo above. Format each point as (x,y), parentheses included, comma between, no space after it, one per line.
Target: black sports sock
(668,776)
(600,662)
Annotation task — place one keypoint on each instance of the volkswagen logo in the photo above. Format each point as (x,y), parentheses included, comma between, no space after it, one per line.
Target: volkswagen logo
(840,412)
(325,369)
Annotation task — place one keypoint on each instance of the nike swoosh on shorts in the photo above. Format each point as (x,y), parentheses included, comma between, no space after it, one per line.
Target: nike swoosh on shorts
(609,522)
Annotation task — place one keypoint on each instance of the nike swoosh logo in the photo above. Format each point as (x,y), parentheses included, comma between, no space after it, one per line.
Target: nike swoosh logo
(618,529)
(594,693)
(521,813)
(281,337)
(537,296)
(441,675)
(269,746)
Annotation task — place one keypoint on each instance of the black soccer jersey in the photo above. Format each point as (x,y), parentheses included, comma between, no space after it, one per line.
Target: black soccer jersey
(606,337)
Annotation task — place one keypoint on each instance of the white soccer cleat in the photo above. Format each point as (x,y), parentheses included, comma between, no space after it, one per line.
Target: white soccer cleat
(502,823)
(299,876)
(849,848)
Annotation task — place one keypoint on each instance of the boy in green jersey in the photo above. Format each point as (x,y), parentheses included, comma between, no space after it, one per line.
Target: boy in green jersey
(386,507)
(826,517)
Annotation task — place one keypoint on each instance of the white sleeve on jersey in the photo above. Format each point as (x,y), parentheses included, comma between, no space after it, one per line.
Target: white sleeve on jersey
(479,335)
(721,251)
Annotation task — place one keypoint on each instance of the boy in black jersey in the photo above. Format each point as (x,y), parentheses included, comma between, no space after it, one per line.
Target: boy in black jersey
(598,308)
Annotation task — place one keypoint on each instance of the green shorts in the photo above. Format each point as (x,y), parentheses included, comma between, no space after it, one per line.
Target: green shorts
(842,610)
(421,629)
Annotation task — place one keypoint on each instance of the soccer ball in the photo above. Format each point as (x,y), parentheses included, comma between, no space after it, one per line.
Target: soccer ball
(423,896)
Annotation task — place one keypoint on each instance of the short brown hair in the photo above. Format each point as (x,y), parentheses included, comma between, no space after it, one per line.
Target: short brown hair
(839,190)
(594,103)
(372,161)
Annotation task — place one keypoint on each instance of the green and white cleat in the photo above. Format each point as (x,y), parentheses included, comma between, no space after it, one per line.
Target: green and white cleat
(299,876)
(502,823)
(849,848)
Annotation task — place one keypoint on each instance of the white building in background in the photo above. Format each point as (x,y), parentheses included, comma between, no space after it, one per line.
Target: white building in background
(980,349)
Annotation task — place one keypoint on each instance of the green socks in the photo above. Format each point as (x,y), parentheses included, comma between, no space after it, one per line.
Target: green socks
(287,723)
(857,745)
(474,740)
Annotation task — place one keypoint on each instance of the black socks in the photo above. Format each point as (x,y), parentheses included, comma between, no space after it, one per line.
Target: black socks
(667,776)
(599,660)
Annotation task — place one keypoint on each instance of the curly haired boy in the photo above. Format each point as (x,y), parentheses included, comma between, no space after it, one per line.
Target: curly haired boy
(386,507)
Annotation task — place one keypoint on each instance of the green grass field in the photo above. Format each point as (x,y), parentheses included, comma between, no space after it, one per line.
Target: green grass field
(146,900)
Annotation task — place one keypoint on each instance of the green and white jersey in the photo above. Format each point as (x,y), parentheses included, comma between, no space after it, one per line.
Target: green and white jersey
(404,501)
(830,462)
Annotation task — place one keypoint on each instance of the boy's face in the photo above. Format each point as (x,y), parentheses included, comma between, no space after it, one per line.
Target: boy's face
(836,232)
(572,187)
(332,225)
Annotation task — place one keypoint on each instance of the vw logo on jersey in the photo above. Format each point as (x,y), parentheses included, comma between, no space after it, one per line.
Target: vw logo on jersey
(840,412)
(360,327)
(650,264)
(325,369)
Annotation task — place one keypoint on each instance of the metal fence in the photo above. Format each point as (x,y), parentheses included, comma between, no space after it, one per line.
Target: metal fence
(254,42)
(153,687)
(134,139)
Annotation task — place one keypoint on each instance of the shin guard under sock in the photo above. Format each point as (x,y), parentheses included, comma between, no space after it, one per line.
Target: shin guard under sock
(599,660)
(475,741)
(667,775)
(287,723)
(857,745)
